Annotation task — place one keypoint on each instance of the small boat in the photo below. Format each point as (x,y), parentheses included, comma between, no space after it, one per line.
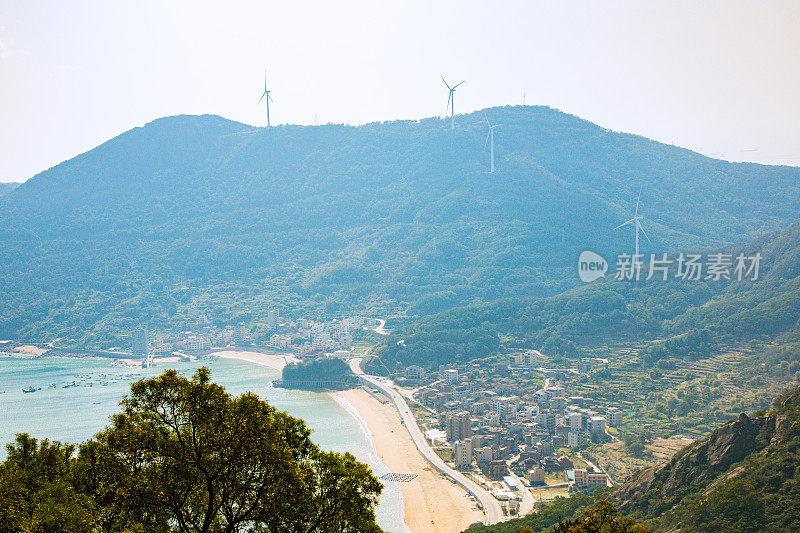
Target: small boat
(30,389)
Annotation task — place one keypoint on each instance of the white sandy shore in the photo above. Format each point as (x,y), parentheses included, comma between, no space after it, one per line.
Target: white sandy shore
(430,502)
(272,360)
(350,408)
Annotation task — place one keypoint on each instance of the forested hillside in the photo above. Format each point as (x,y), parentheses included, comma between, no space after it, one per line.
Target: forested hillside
(198,214)
(744,477)
(7,187)
(691,316)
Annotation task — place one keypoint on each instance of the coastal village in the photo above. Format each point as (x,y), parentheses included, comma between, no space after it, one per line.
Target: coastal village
(303,337)
(510,427)
(520,442)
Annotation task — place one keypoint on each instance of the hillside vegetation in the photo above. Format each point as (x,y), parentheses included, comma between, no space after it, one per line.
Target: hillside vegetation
(7,187)
(689,318)
(745,476)
(198,215)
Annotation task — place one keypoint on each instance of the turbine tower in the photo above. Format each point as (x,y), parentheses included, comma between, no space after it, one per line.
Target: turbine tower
(267,95)
(450,100)
(490,142)
(637,223)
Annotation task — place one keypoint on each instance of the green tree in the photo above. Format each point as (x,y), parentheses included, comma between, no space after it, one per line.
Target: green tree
(35,490)
(602,518)
(185,456)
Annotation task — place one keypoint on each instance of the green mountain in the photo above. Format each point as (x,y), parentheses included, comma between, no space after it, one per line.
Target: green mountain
(745,476)
(7,187)
(198,214)
(687,319)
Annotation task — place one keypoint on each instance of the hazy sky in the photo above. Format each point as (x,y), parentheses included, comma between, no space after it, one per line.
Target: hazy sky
(722,78)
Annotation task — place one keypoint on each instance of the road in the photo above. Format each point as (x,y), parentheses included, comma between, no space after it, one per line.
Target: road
(381,327)
(491,507)
(597,468)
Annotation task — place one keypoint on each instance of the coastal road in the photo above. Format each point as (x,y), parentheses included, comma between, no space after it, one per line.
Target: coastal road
(491,507)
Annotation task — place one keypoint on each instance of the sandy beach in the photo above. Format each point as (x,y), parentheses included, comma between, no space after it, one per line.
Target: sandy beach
(272,360)
(430,503)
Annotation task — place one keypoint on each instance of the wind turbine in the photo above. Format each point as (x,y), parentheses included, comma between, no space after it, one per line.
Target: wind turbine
(490,142)
(637,222)
(267,95)
(451,100)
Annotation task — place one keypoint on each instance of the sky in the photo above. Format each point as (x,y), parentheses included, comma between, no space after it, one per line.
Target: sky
(718,77)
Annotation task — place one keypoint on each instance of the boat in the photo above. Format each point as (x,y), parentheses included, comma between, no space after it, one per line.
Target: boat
(30,389)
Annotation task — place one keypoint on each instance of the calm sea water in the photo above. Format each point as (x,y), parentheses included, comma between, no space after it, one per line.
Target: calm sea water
(75,413)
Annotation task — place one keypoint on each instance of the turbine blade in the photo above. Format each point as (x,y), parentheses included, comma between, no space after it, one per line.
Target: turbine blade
(448,86)
(486,142)
(639,225)
(637,202)
(456,85)
(262,97)
(626,223)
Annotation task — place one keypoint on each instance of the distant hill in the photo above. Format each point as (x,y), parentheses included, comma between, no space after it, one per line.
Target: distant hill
(745,476)
(198,214)
(7,187)
(691,317)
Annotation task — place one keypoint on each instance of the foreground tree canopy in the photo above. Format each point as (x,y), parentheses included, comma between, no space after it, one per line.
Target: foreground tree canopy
(184,455)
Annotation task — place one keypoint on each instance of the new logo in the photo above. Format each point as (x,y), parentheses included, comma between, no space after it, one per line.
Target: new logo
(591,266)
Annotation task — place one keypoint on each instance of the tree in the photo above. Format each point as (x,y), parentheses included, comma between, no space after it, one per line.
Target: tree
(35,490)
(602,518)
(185,456)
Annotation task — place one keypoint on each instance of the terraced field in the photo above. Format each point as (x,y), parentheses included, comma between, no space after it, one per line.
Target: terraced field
(676,398)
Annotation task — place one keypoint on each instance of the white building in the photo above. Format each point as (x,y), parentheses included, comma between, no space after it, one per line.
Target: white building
(575,421)
(272,319)
(450,376)
(462,453)
(415,372)
(576,439)
(506,406)
(483,454)
(614,417)
(597,425)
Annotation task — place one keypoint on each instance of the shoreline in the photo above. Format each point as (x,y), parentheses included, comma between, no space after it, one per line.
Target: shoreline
(352,411)
(272,360)
(431,503)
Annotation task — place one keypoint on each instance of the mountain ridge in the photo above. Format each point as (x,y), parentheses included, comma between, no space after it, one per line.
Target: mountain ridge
(342,219)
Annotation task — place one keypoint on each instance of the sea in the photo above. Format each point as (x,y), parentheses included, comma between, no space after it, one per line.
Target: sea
(77,396)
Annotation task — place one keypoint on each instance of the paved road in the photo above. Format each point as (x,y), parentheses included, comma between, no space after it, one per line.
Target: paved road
(491,507)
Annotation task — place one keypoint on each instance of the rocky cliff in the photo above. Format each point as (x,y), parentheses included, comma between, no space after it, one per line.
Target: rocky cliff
(738,478)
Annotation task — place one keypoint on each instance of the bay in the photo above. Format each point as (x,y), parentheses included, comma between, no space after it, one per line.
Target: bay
(77,397)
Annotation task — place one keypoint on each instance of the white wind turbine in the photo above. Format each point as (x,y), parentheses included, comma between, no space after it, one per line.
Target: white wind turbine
(267,95)
(451,100)
(490,142)
(637,222)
